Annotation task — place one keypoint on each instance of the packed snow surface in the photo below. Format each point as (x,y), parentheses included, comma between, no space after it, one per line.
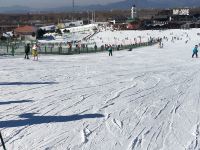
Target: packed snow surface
(145,99)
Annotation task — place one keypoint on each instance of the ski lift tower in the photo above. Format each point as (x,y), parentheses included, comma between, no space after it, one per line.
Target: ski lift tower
(134,10)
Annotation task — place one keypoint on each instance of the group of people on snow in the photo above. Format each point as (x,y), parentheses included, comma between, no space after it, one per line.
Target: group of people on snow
(35,49)
(109,48)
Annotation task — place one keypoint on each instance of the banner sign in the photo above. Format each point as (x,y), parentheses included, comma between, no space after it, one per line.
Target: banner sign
(181,12)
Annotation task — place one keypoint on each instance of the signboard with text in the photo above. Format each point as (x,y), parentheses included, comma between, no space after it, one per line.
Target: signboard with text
(181,12)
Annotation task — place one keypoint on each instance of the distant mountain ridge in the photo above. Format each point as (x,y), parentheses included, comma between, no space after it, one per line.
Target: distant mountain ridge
(14,9)
(150,4)
(116,5)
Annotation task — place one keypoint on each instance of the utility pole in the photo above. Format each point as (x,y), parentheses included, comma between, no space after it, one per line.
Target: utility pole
(88,17)
(73,5)
(94,16)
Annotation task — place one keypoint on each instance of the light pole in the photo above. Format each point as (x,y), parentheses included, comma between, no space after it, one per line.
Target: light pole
(88,13)
(93,16)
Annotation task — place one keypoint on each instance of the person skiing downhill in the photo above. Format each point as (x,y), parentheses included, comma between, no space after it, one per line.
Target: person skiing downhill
(195,51)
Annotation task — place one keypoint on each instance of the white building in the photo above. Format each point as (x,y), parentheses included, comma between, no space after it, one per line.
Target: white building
(48,28)
(69,24)
(89,27)
(8,34)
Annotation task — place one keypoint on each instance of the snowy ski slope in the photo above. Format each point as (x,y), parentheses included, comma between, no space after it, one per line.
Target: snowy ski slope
(146,99)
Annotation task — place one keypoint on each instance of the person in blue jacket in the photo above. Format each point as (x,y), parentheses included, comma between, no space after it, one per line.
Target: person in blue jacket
(195,51)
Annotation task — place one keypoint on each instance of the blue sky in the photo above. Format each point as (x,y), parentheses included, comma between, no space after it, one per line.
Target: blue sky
(52,3)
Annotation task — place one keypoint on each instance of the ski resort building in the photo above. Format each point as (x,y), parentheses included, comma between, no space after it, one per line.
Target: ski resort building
(69,24)
(49,28)
(26,32)
(82,28)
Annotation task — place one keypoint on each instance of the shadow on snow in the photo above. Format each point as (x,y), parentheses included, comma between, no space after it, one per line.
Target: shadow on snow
(26,83)
(29,119)
(15,102)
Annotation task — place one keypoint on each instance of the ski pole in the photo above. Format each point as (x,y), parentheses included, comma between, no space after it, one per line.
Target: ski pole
(3,144)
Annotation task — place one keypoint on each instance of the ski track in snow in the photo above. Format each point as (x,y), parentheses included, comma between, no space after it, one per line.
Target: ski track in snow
(147,99)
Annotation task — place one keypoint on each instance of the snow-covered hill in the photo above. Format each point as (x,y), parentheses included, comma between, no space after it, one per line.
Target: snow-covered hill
(148,98)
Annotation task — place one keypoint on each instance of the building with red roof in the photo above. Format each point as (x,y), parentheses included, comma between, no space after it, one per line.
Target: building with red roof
(26,32)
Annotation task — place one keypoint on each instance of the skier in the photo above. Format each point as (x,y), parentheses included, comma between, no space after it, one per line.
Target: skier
(110,50)
(35,51)
(195,51)
(69,48)
(118,47)
(27,51)
(160,43)
(95,47)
